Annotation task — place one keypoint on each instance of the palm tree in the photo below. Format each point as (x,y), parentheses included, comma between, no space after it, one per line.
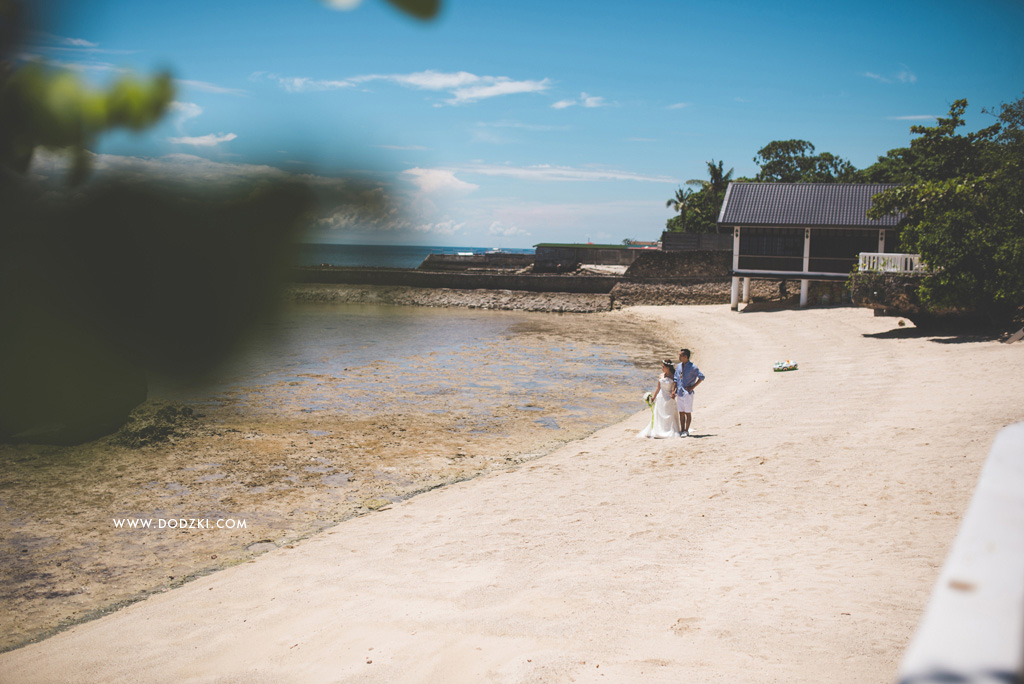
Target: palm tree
(678,203)
(707,202)
(719,178)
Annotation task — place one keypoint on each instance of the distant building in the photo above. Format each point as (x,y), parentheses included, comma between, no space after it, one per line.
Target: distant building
(803,231)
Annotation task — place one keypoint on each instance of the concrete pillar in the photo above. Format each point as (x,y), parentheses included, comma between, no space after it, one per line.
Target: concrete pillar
(734,299)
(746,290)
(736,248)
(807,250)
(805,286)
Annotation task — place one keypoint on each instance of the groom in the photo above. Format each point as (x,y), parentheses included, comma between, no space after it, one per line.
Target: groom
(687,377)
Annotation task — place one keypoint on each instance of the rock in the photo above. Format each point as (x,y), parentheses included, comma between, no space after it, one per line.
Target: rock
(154,422)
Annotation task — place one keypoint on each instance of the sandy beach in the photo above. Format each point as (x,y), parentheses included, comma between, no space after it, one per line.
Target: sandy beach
(794,538)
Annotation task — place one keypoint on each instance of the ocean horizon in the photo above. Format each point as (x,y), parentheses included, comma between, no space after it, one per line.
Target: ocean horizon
(383,256)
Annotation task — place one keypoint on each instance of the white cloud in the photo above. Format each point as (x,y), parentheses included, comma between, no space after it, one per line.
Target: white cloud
(463,86)
(495,88)
(426,80)
(62,40)
(78,42)
(74,66)
(548,173)
(680,105)
(500,229)
(411,148)
(209,140)
(302,84)
(437,180)
(343,5)
(179,167)
(448,227)
(584,100)
(904,75)
(183,112)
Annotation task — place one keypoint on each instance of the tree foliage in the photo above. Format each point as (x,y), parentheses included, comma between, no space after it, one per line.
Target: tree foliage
(103,283)
(794,161)
(962,207)
(41,106)
(698,211)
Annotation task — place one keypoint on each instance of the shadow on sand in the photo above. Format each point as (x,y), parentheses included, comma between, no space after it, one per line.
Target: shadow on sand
(939,337)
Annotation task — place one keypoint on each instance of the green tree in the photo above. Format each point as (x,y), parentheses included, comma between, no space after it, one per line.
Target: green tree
(794,161)
(939,153)
(706,203)
(961,208)
(680,203)
(698,211)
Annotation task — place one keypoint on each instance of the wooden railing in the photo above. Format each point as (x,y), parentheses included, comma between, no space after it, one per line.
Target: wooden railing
(877,262)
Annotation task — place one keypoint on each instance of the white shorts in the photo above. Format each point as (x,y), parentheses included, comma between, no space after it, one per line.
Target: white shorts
(684,402)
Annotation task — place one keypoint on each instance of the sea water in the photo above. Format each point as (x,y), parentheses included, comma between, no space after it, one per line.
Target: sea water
(357,360)
(381,256)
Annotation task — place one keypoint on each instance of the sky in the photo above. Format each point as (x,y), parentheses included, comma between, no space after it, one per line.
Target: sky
(507,124)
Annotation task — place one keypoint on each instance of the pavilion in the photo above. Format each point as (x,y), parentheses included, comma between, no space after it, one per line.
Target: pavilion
(802,231)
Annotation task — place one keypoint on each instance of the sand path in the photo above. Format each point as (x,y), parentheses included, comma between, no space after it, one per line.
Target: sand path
(795,540)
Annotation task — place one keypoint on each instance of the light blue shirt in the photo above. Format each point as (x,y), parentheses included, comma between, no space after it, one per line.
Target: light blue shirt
(686,375)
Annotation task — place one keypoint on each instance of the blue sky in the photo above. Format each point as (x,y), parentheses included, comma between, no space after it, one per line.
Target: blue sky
(512,123)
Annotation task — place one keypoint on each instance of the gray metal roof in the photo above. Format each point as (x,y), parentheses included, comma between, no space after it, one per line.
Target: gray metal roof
(839,205)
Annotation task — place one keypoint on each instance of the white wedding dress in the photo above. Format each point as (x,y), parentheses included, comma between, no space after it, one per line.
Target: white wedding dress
(665,421)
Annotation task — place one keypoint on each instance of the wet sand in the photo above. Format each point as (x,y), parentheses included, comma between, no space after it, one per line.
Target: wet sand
(288,454)
(795,538)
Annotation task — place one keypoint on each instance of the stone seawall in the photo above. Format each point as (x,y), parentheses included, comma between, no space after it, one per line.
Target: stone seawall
(527,292)
(527,282)
(506,300)
(580,284)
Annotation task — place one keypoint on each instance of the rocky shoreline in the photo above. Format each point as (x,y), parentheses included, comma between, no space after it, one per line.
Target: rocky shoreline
(623,294)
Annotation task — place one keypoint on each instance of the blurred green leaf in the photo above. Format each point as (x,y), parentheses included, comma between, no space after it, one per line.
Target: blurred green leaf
(424,9)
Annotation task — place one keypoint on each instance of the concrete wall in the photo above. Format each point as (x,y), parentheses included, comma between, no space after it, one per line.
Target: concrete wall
(671,241)
(564,258)
(458,262)
(709,265)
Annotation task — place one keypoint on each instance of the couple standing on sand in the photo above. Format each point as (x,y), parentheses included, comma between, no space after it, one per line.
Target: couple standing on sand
(673,399)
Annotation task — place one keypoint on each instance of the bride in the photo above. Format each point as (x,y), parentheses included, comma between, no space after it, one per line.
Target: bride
(665,417)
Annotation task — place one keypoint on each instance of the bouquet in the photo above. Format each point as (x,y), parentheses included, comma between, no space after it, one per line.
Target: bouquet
(649,400)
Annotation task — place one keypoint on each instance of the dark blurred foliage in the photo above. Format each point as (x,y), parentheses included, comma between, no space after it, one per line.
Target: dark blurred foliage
(102,286)
(103,282)
(424,9)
